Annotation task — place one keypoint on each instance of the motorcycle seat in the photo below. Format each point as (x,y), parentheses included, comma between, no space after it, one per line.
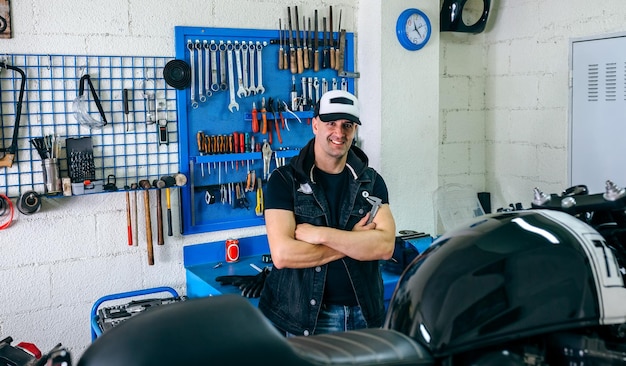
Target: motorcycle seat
(216,330)
(373,346)
(228,330)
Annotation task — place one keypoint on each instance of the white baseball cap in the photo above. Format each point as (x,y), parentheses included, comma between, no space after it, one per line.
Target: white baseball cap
(338,104)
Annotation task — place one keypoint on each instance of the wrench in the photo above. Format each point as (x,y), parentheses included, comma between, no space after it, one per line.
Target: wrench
(207,68)
(231,79)
(324,86)
(192,63)
(252,87)
(334,84)
(260,89)
(344,84)
(244,48)
(376,203)
(222,48)
(200,68)
(213,48)
(241,91)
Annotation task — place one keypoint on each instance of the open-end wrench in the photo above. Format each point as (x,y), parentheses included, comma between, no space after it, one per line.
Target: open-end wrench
(252,87)
(207,69)
(259,61)
(201,96)
(324,86)
(376,203)
(241,91)
(213,49)
(244,49)
(344,84)
(192,63)
(334,80)
(222,48)
(231,78)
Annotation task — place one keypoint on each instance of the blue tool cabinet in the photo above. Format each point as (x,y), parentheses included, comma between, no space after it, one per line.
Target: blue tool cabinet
(213,117)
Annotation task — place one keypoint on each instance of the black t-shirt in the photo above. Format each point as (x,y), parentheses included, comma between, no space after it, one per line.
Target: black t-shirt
(338,289)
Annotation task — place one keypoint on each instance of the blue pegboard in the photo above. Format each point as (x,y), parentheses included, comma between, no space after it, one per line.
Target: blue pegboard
(214,117)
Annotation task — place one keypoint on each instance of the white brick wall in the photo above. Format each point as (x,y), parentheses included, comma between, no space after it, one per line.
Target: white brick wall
(491,112)
(525,93)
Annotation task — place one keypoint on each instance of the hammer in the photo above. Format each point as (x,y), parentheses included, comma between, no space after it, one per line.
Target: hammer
(133,187)
(145,184)
(129,224)
(169,182)
(159,184)
(181,180)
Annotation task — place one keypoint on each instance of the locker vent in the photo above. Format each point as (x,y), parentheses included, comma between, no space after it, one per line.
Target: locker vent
(610,82)
(592,83)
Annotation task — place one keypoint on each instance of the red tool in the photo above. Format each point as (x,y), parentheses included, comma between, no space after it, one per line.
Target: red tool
(128,218)
(264,117)
(255,119)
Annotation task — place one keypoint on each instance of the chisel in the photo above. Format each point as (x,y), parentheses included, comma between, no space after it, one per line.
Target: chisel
(331,39)
(316,53)
(337,65)
(310,50)
(293,66)
(325,50)
(281,50)
(298,46)
(305,49)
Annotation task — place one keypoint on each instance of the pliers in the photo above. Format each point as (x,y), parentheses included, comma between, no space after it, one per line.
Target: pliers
(281,108)
(271,109)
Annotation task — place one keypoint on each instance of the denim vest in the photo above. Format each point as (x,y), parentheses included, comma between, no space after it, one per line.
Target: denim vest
(292,298)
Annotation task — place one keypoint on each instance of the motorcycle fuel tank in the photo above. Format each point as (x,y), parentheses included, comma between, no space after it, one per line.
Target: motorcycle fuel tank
(504,276)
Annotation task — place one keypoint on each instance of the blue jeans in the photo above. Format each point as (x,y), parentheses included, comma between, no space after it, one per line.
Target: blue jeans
(339,318)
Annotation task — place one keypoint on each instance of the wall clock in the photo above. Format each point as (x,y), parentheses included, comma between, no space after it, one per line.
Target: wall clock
(413,29)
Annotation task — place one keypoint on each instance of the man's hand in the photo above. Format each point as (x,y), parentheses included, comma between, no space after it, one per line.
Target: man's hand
(362,224)
(308,233)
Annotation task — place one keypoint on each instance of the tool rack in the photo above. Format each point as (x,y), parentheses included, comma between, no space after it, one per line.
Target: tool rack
(213,117)
(52,83)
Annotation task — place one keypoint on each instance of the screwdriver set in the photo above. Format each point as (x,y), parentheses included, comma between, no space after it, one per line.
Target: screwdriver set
(248,110)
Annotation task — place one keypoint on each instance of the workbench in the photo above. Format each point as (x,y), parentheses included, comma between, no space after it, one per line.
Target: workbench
(204,262)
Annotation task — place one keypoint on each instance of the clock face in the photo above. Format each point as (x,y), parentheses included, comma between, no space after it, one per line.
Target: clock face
(413,29)
(416,29)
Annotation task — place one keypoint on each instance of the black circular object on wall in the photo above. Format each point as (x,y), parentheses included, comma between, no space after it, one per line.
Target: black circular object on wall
(177,74)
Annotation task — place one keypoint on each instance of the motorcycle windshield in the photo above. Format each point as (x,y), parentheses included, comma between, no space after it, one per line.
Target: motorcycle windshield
(506,276)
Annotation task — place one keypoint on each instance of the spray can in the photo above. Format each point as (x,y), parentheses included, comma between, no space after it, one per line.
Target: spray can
(232,250)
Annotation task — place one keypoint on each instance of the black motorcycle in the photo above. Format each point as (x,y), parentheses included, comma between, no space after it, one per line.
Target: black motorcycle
(543,286)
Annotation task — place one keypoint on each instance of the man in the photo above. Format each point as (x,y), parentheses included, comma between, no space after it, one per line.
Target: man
(326,274)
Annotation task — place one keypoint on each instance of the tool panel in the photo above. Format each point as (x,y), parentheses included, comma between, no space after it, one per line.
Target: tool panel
(246,110)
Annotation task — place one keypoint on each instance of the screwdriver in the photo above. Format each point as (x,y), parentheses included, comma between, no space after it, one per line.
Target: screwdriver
(281,50)
(255,119)
(264,116)
(200,139)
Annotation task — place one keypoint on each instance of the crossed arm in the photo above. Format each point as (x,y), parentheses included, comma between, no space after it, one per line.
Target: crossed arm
(305,245)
